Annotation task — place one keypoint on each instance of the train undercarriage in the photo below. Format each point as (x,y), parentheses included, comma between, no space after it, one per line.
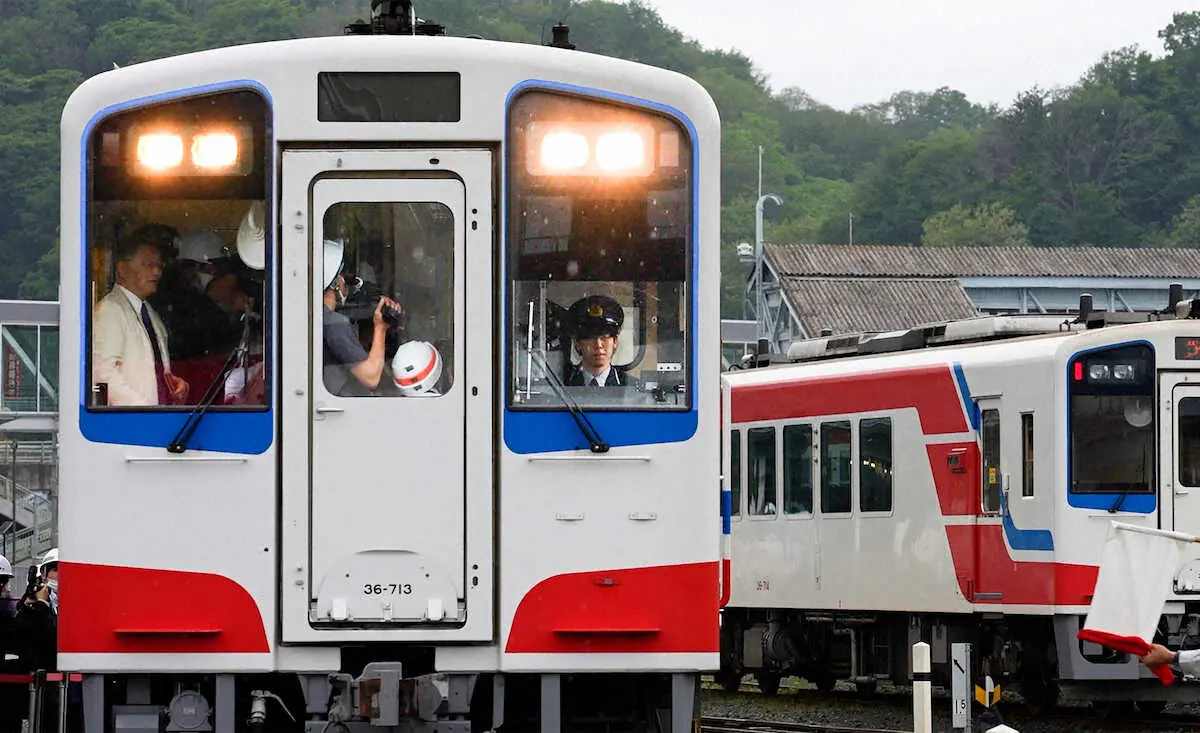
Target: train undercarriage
(381,696)
(1038,656)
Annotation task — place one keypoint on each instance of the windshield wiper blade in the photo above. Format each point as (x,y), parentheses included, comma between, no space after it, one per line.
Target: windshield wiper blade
(1120,502)
(595,442)
(179,443)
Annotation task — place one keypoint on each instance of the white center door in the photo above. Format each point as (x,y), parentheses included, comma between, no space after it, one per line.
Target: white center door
(391,549)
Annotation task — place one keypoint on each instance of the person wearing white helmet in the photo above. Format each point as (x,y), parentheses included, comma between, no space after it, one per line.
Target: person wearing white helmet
(349,369)
(36,621)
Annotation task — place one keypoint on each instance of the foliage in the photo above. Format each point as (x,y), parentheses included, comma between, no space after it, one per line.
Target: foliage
(1111,160)
(986,225)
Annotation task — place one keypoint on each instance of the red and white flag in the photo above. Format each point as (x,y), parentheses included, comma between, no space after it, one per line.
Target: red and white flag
(1136,570)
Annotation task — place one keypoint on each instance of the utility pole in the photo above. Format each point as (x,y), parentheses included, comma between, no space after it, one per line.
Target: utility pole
(760,303)
(852,228)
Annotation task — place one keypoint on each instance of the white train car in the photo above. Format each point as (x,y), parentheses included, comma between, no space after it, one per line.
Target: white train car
(956,483)
(250,517)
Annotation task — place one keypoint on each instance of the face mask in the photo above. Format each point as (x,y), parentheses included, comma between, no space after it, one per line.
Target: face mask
(202,280)
(52,584)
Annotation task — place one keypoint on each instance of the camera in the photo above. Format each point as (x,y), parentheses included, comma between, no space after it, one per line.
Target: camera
(361,302)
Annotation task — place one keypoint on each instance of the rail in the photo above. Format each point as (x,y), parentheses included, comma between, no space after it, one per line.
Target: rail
(740,725)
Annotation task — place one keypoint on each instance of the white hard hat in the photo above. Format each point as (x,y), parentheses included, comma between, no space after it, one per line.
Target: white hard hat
(416,367)
(251,237)
(333,261)
(5,567)
(201,246)
(51,556)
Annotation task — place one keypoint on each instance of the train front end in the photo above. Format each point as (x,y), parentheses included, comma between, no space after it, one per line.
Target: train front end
(389,375)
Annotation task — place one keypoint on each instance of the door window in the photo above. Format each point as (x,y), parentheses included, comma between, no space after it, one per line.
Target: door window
(797,469)
(835,467)
(1188,441)
(989,432)
(388,299)
(760,454)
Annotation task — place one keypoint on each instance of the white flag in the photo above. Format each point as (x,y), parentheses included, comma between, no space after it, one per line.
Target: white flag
(1136,570)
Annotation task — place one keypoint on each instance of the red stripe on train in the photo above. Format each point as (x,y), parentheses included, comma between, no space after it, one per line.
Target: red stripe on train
(929,389)
(122,610)
(656,610)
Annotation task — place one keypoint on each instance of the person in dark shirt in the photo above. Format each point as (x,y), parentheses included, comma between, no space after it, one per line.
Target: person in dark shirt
(349,369)
(596,321)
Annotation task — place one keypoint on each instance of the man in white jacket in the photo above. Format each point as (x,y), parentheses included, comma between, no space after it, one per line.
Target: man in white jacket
(129,340)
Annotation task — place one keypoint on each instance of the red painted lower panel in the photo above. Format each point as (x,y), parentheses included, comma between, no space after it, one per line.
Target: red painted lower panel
(1020,583)
(665,609)
(120,610)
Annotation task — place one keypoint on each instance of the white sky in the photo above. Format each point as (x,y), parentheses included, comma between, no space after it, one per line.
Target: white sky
(850,52)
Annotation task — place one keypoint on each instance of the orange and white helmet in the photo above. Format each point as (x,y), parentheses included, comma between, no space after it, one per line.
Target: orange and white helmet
(416,368)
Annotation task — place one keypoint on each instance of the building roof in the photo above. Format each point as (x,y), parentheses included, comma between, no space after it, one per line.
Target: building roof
(847,305)
(878,260)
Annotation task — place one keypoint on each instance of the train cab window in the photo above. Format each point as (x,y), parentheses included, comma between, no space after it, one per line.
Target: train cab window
(1112,421)
(1188,440)
(1026,454)
(175,235)
(735,471)
(760,457)
(875,464)
(797,469)
(989,434)
(835,467)
(599,259)
(389,286)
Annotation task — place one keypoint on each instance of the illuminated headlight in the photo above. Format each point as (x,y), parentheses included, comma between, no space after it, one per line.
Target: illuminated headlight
(214,150)
(620,152)
(564,151)
(1099,372)
(159,151)
(1123,372)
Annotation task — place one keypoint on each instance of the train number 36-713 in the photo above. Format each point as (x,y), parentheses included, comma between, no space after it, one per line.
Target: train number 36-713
(387,589)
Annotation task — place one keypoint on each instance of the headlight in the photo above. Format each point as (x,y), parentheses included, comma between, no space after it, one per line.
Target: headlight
(1123,372)
(591,149)
(214,150)
(159,151)
(1098,372)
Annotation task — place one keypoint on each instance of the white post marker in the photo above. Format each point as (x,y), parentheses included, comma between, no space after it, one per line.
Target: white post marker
(922,689)
(960,686)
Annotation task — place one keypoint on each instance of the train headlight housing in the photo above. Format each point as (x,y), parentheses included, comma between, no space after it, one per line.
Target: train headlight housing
(196,149)
(583,149)
(1123,372)
(1099,373)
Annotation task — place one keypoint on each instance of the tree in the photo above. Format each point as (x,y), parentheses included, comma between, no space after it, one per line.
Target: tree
(988,225)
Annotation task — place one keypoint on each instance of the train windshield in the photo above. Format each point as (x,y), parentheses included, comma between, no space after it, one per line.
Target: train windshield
(1113,421)
(598,256)
(174,236)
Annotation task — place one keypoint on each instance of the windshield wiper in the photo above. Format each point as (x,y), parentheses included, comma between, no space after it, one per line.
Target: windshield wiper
(595,442)
(1120,502)
(179,443)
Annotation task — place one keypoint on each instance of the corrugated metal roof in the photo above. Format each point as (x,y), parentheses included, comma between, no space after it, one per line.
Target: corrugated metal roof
(876,260)
(847,305)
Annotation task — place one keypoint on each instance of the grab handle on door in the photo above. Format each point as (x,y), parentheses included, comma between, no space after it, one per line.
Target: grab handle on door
(323,410)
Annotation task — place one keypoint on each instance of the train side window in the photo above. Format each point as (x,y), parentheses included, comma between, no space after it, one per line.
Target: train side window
(835,467)
(875,464)
(760,455)
(989,432)
(797,469)
(735,471)
(1027,454)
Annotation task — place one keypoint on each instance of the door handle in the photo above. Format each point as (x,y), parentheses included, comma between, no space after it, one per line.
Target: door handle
(325,410)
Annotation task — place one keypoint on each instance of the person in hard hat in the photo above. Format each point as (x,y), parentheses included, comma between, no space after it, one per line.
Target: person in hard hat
(596,322)
(201,327)
(36,622)
(349,369)
(131,361)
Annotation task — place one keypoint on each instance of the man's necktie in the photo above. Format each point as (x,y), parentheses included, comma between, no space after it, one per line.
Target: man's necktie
(595,381)
(160,374)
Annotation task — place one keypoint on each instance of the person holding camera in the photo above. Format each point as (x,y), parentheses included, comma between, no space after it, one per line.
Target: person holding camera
(349,369)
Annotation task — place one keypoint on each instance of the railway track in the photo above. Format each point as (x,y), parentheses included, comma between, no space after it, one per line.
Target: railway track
(742,725)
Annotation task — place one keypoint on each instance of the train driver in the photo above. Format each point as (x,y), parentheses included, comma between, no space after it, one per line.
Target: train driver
(597,321)
(349,369)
